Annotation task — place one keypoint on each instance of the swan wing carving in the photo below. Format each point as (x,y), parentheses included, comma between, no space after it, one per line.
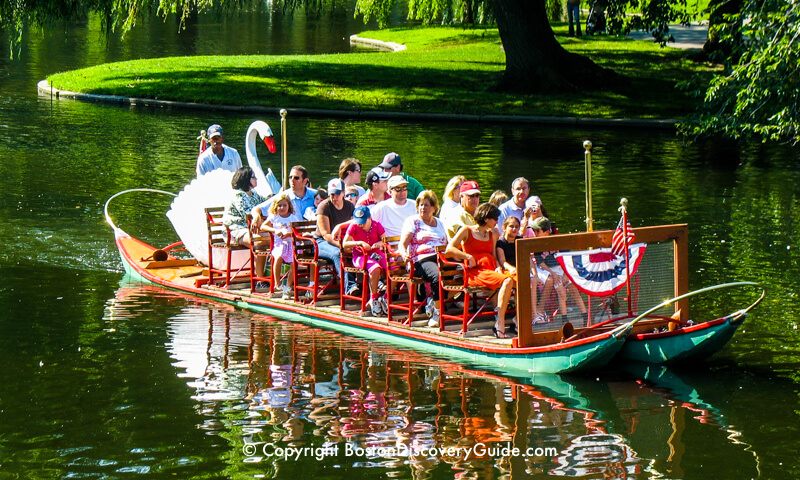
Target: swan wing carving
(187,212)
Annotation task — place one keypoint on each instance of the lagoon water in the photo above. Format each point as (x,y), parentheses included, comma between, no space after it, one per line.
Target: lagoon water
(102,378)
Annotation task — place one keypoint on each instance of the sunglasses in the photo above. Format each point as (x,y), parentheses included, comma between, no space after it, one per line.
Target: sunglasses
(400,189)
(295,177)
(351,195)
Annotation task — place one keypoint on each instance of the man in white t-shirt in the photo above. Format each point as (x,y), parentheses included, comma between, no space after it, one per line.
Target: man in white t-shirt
(218,155)
(393,212)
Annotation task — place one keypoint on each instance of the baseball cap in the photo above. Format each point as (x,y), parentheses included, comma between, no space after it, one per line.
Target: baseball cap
(376,175)
(391,160)
(396,181)
(360,215)
(214,130)
(335,186)
(469,188)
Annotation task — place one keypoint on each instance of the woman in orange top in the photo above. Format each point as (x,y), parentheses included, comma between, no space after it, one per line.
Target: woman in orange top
(475,244)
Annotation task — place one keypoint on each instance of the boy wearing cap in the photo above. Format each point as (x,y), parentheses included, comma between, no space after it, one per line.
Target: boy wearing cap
(461,216)
(393,164)
(392,213)
(378,188)
(218,155)
(366,236)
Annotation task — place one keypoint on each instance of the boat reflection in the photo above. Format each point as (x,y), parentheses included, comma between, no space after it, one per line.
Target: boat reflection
(291,400)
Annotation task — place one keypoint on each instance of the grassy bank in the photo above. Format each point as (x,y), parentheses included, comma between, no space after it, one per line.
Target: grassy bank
(444,70)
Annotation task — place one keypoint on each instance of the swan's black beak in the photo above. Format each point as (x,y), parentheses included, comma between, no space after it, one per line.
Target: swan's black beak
(270,143)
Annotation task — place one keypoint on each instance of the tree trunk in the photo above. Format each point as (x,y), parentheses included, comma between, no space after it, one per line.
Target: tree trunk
(535,61)
(714,48)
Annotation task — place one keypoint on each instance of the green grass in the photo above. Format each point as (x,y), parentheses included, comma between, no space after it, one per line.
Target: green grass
(444,70)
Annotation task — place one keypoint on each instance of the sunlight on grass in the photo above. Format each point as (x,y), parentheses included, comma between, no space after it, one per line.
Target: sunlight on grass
(444,70)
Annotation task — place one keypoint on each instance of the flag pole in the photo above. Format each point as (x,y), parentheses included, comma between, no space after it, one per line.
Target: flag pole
(587,145)
(624,209)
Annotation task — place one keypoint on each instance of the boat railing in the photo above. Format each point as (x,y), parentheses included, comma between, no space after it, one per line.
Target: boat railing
(676,236)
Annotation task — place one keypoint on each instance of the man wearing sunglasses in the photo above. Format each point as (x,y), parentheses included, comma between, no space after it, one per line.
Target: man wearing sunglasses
(460,216)
(299,193)
(393,212)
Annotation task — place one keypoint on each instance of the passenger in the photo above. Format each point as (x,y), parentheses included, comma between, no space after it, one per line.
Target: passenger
(476,244)
(218,155)
(311,212)
(507,257)
(378,188)
(534,210)
(421,235)
(300,193)
(366,237)
(330,214)
(393,212)
(547,262)
(520,193)
(350,173)
(394,165)
(279,223)
(462,216)
(498,198)
(452,194)
(351,194)
(244,200)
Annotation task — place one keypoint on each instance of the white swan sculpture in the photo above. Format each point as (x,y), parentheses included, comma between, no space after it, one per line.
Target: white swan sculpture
(187,212)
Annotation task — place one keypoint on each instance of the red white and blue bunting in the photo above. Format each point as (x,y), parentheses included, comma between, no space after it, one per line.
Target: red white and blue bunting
(599,272)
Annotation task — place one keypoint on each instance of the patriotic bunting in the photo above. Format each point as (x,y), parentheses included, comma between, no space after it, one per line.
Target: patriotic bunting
(600,272)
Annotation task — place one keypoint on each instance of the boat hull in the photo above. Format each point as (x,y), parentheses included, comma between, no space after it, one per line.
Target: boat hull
(584,354)
(690,343)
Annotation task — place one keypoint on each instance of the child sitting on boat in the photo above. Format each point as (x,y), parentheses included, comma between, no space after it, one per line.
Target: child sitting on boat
(279,223)
(366,237)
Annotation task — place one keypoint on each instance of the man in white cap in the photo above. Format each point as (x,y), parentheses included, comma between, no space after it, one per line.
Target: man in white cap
(218,155)
(393,164)
(460,216)
(393,212)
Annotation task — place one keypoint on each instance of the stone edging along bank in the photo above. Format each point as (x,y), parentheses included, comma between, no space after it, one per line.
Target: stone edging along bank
(45,89)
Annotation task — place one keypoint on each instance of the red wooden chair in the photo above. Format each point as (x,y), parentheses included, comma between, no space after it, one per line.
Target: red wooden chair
(400,281)
(477,299)
(308,266)
(260,246)
(219,238)
(361,277)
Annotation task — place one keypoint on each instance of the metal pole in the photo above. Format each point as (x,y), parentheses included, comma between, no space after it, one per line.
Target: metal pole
(624,209)
(284,171)
(587,145)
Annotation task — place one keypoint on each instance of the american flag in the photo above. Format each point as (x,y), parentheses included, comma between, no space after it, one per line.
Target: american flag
(618,240)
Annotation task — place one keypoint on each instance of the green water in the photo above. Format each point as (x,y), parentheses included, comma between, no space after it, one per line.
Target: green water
(104,379)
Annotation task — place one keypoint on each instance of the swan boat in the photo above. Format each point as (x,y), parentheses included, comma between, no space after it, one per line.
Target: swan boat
(574,343)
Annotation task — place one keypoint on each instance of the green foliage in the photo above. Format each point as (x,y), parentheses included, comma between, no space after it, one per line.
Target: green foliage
(757,95)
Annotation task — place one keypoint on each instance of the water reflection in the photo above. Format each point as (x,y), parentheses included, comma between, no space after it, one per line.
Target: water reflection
(270,387)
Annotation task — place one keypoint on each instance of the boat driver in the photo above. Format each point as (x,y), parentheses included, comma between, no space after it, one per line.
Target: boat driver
(218,155)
